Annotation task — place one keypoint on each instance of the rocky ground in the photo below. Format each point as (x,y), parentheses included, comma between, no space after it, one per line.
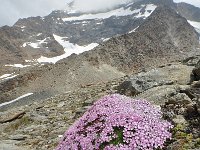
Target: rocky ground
(40,125)
(175,87)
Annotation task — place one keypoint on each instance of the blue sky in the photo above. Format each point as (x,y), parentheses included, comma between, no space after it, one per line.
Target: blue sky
(12,10)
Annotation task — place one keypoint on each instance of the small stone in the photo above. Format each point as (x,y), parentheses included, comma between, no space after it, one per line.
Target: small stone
(181,111)
(171,102)
(179,119)
(61,104)
(190,107)
(183,98)
(18,137)
(88,102)
(198,110)
(80,111)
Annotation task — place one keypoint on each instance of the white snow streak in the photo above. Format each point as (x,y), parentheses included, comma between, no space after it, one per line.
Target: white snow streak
(8,76)
(5,75)
(25,95)
(18,66)
(105,39)
(133,30)
(39,34)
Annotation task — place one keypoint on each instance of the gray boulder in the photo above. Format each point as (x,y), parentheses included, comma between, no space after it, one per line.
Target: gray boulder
(167,75)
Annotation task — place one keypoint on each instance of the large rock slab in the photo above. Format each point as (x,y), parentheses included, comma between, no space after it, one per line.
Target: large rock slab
(168,75)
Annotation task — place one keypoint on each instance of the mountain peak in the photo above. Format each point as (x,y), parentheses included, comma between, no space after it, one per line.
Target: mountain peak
(34,35)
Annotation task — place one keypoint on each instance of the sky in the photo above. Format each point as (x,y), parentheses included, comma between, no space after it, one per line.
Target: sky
(12,10)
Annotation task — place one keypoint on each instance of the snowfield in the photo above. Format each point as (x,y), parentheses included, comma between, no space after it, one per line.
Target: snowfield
(36,44)
(117,12)
(69,49)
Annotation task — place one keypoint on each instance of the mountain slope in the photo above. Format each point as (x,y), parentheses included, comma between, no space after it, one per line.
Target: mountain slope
(164,37)
(92,28)
(33,37)
(189,11)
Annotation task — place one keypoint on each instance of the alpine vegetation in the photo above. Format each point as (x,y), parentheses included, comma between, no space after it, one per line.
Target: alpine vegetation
(117,122)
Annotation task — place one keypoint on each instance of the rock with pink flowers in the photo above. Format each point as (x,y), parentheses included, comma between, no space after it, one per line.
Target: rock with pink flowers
(117,122)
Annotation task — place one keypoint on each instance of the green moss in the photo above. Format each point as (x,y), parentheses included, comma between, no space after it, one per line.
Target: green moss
(179,127)
(119,139)
(185,140)
(118,131)
(180,135)
(197,143)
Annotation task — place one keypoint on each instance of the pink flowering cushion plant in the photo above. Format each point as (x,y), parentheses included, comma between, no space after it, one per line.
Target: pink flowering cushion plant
(117,122)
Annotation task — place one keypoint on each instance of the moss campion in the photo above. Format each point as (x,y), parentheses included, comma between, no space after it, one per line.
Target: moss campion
(117,122)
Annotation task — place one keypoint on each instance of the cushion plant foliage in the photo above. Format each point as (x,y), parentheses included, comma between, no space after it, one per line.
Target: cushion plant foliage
(117,122)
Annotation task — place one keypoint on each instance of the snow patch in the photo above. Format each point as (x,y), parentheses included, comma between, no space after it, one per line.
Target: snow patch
(12,101)
(99,23)
(17,66)
(39,34)
(69,49)
(196,25)
(148,10)
(36,44)
(133,30)
(8,76)
(85,22)
(5,75)
(105,39)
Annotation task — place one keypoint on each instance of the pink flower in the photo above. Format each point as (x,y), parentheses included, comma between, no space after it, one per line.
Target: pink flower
(117,122)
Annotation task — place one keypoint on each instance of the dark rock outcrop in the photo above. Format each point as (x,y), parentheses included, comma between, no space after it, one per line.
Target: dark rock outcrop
(167,75)
(196,72)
